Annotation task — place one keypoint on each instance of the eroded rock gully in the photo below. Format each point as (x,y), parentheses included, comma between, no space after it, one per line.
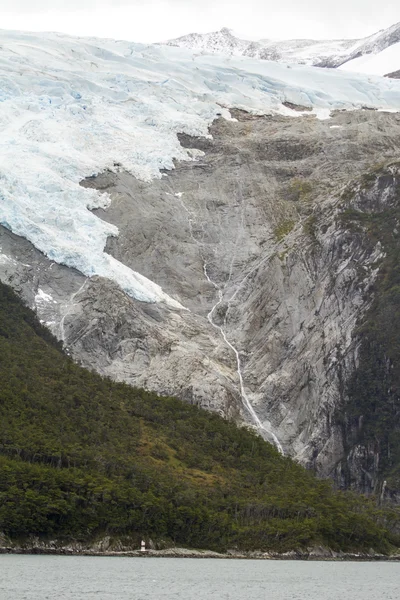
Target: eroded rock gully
(250,240)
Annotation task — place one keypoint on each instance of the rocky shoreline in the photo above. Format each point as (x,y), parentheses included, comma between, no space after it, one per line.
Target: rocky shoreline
(314,554)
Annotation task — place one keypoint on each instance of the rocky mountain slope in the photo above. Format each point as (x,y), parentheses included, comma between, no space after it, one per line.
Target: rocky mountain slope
(265,253)
(327,53)
(235,280)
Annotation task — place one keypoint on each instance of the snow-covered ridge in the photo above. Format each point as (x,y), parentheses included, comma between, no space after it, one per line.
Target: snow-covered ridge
(306,52)
(326,53)
(71,108)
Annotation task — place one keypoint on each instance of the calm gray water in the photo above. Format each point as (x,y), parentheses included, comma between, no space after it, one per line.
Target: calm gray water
(89,578)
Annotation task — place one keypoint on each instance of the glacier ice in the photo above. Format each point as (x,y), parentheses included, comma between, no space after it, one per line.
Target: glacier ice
(73,107)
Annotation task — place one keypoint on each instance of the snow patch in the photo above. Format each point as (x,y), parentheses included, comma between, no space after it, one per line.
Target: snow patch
(383,63)
(41,296)
(4,259)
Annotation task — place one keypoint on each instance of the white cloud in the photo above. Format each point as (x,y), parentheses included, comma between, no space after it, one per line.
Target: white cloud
(154,20)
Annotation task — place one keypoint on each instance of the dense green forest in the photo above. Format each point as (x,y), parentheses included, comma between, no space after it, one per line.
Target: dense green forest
(371,413)
(81,456)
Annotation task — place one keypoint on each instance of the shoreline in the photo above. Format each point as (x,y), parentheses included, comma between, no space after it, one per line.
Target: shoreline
(312,555)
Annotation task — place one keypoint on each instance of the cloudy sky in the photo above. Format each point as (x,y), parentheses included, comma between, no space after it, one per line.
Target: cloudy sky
(156,20)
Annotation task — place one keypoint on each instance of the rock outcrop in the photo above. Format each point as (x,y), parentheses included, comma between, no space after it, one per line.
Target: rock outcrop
(394,75)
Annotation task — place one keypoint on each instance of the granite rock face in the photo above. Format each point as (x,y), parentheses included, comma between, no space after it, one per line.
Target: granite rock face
(394,75)
(250,241)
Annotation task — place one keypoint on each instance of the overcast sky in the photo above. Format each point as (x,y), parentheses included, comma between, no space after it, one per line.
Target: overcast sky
(156,20)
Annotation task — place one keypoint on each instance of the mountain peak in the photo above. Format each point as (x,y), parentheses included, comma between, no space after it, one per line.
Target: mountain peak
(321,53)
(226,31)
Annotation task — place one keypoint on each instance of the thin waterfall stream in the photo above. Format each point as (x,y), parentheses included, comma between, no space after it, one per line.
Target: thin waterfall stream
(264,431)
(245,399)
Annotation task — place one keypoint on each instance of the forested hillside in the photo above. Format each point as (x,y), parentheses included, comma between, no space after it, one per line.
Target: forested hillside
(81,456)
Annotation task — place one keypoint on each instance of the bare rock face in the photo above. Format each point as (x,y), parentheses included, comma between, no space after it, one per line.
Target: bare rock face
(250,241)
(394,75)
(147,345)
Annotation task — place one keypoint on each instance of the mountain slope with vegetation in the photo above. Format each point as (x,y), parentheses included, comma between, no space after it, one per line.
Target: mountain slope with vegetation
(81,456)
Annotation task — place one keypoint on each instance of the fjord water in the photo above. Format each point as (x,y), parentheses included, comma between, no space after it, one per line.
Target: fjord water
(116,578)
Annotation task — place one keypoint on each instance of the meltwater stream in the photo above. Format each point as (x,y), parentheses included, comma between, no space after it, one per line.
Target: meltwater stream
(245,399)
(265,432)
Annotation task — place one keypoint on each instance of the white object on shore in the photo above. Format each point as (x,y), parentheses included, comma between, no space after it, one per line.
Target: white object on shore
(143,546)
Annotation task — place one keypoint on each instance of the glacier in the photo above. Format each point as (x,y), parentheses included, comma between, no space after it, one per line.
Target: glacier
(71,108)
